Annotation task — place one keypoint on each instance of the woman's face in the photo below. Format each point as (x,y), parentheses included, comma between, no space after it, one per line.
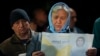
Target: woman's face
(59,19)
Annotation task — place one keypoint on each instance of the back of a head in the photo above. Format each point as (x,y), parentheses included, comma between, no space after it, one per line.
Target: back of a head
(96,32)
(37,10)
(96,26)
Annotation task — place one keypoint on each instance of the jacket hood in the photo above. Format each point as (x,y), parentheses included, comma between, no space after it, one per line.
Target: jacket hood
(66,26)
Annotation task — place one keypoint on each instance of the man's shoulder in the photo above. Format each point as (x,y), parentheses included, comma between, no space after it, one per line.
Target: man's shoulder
(5,42)
(5,45)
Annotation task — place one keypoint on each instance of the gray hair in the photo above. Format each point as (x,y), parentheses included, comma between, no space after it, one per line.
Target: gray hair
(56,8)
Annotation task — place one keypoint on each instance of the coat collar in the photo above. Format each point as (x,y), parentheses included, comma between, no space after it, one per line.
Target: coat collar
(16,40)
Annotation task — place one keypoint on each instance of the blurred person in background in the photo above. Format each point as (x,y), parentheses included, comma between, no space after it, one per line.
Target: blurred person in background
(73,21)
(39,17)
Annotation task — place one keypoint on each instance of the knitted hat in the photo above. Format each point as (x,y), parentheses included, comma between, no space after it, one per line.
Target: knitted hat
(17,14)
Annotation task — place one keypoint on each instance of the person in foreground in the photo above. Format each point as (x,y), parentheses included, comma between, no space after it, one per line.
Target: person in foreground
(96,32)
(17,43)
(59,21)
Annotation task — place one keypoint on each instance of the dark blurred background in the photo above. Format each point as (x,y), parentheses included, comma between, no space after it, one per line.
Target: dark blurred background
(87,12)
